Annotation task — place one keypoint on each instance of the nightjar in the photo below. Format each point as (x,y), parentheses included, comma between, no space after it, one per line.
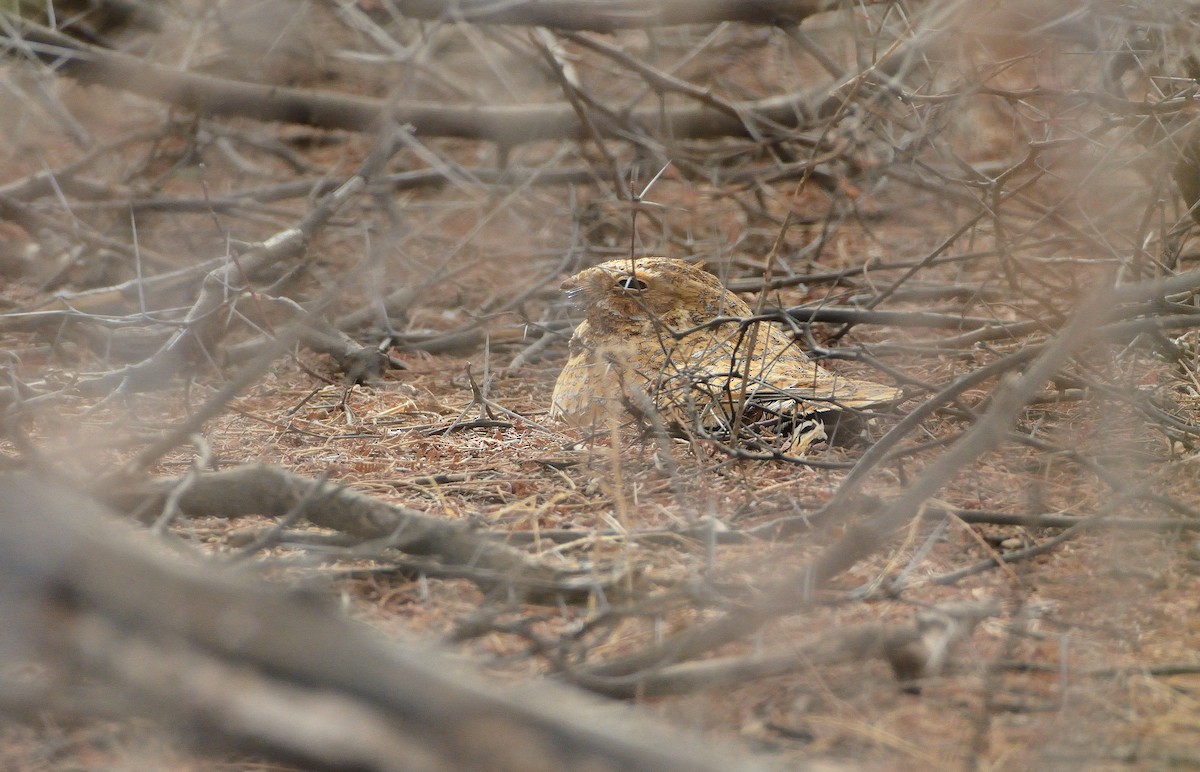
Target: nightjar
(664,337)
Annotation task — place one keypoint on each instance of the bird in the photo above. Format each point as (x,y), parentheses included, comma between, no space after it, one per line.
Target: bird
(663,339)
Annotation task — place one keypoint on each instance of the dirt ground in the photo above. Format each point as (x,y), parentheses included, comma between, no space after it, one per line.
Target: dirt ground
(998,183)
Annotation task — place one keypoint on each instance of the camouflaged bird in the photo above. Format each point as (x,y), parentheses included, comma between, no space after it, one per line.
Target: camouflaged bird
(650,342)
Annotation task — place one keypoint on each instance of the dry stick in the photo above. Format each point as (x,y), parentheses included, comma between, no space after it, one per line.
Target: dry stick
(982,517)
(304,188)
(115,298)
(1134,397)
(506,125)
(677,536)
(1045,215)
(882,449)
(1121,330)
(940,346)
(260,489)
(751,344)
(1017,556)
(35,222)
(359,363)
(910,649)
(834,315)
(1100,672)
(879,451)
(979,325)
(985,210)
(66,178)
(83,594)
(863,538)
(577,98)
(398,302)
(660,82)
(318,492)
(753,284)
(293,241)
(104,300)
(926,262)
(1122,495)
(205,322)
(207,95)
(170,506)
(831,65)
(681,536)
(611,15)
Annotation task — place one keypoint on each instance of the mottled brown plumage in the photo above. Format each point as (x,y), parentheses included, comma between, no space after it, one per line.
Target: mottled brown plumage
(647,343)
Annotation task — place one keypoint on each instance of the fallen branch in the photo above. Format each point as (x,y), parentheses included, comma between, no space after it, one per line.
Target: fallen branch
(612,15)
(916,651)
(259,489)
(235,661)
(506,125)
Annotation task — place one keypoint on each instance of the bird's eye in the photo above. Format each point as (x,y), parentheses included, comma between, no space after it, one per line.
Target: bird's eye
(631,283)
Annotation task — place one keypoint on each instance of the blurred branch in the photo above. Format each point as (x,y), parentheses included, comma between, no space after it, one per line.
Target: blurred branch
(259,489)
(914,651)
(206,321)
(612,15)
(238,662)
(503,124)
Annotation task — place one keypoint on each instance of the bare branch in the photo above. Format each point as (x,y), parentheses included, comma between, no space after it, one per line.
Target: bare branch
(612,15)
(242,662)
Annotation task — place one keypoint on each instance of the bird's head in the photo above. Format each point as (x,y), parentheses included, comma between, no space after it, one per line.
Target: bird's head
(650,290)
